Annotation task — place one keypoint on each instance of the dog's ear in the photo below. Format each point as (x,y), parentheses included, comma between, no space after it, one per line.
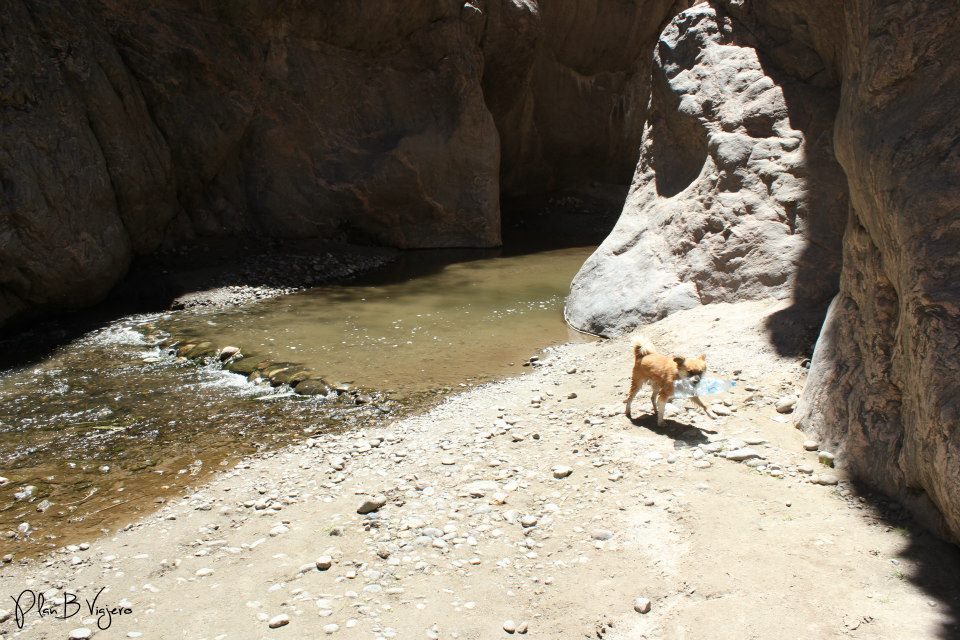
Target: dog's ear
(703,357)
(679,361)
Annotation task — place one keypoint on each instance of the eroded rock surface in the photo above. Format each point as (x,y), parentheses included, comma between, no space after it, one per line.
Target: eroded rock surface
(737,194)
(124,129)
(883,384)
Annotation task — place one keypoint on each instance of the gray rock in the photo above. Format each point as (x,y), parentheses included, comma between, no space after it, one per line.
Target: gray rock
(372,504)
(642,605)
(723,170)
(529,520)
(786,404)
(826,458)
(739,455)
(561,471)
(601,534)
(324,562)
(278,621)
(811,445)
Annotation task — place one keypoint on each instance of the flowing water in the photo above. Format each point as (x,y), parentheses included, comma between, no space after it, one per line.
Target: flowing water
(108,425)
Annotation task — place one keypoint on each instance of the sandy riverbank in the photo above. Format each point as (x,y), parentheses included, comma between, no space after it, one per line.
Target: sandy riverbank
(476,530)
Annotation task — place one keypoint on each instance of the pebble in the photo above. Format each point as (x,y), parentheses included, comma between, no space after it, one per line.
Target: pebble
(805,468)
(826,458)
(739,455)
(701,464)
(601,534)
(281,620)
(509,626)
(642,605)
(372,504)
(786,404)
(825,479)
(561,471)
(324,563)
(720,410)
(331,628)
(811,445)
(528,520)
(203,573)
(81,633)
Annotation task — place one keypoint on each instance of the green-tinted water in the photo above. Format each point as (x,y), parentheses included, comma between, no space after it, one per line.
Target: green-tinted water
(106,426)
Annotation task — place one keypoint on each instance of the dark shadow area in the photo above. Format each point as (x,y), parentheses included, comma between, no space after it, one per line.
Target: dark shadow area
(929,563)
(561,219)
(684,436)
(155,283)
(679,142)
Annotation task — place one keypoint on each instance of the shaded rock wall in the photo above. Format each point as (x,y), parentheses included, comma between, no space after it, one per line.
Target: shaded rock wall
(883,385)
(126,126)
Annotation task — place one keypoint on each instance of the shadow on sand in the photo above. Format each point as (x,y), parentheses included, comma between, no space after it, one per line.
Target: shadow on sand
(684,436)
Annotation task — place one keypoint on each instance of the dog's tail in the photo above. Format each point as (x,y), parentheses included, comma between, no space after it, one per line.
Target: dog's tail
(642,346)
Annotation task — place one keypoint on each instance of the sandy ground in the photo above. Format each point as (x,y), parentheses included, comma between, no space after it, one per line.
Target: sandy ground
(476,530)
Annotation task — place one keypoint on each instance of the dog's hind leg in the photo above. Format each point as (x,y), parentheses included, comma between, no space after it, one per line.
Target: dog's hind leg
(635,385)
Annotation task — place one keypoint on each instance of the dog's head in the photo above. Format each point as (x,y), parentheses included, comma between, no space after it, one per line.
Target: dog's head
(692,368)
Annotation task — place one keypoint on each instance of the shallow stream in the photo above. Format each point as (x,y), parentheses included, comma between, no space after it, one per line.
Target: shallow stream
(109,424)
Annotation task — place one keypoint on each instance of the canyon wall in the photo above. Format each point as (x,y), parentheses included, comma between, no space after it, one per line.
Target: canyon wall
(801,150)
(125,127)
(812,151)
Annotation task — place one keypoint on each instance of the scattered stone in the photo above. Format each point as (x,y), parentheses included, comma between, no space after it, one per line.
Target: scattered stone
(372,504)
(81,633)
(805,468)
(601,534)
(811,445)
(826,458)
(642,605)
(786,404)
(739,455)
(529,521)
(561,471)
(324,563)
(203,573)
(331,628)
(825,479)
(509,626)
(281,620)
(720,410)
(228,352)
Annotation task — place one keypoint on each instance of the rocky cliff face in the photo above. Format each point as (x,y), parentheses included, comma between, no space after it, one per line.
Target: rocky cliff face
(812,150)
(123,128)
(737,194)
(883,386)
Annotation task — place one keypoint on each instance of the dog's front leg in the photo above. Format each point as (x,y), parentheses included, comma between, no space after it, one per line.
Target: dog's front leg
(705,408)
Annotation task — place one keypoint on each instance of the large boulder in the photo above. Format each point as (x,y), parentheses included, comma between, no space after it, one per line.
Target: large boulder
(737,194)
(125,128)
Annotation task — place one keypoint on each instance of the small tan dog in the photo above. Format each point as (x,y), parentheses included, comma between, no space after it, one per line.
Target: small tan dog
(661,372)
